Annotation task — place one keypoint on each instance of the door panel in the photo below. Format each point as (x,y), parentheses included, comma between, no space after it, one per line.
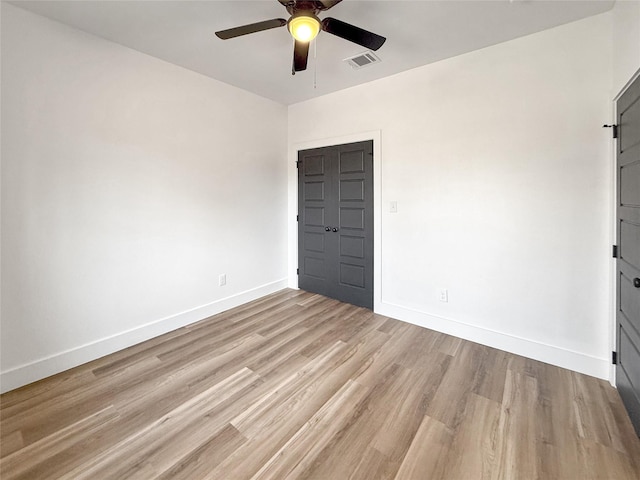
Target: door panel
(352,190)
(352,275)
(629,303)
(314,165)
(355,197)
(352,218)
(630,116)
(630,243)
(630,185)
(314,200)
(314,191)
(315,267)
(628,263)
(314,242)
(338,181)
(314,216)
(352,161)
(351,246)
(631,357)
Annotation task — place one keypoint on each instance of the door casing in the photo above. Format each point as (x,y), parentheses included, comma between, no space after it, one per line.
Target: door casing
(375,136)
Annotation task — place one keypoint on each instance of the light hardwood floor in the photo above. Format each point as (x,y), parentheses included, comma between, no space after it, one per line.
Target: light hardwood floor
(296,385)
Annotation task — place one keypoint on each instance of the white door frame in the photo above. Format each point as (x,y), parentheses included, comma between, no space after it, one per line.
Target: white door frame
(376,136)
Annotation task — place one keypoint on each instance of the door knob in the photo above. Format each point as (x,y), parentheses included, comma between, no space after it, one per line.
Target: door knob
(327,229)
(636,282)
(334,229)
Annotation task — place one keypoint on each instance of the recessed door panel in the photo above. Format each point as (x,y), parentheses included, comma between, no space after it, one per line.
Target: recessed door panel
(352,190)
(314,267)
(352,161)
(314,216)
(314,242)
(629,117)
(314,165)
(630,302)
(352,275)
(314,191)
(629,357)
(352,218)
(630,243)
(630,185)
(352,246)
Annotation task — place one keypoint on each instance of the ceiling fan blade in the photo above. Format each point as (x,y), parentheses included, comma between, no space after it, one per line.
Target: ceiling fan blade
(300,56)
(251,28)
(352,33)
(327,4)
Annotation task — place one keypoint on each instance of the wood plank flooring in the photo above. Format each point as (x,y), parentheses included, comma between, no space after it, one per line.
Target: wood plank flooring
(300,386)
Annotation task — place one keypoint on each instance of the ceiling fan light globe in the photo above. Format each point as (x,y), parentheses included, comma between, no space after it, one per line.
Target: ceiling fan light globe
(304,28)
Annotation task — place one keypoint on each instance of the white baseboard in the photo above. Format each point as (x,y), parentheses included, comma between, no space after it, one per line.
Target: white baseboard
(45,367)
(576,361)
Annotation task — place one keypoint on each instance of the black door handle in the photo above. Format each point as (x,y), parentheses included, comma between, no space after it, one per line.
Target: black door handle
(334,229)
(327,229)
(636,282)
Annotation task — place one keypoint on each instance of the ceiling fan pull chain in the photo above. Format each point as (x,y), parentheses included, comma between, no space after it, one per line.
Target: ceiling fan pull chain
(315,64)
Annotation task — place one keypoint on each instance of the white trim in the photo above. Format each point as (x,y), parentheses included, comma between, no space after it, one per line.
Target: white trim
(376,136)
(45,367)
(613,235)
(613,303)
(626,87)
(576,361)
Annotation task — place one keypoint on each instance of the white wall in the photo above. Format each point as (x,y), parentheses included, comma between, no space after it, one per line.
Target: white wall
(502,177)
(128,186)
(626,42)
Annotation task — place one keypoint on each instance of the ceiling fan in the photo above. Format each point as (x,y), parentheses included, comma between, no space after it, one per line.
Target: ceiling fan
(304,25)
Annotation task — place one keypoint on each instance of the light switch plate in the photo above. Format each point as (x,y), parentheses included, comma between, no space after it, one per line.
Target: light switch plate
(444,295)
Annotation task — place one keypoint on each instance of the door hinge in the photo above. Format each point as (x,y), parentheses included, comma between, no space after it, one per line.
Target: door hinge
(614,358)
(615,129)
(297,218)
(298,271)
(615,251)
(298,164)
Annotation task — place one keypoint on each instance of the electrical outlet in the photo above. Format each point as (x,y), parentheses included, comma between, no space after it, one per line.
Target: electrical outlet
(222,280)
(444,295)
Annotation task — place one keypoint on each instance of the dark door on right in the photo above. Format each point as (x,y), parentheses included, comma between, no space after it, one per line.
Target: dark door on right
(335,222)
(628,264)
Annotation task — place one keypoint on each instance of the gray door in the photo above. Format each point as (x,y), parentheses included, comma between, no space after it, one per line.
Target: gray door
(628,264)
(335,222)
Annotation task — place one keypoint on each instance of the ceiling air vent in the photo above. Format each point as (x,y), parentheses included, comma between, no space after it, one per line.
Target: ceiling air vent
(362,60)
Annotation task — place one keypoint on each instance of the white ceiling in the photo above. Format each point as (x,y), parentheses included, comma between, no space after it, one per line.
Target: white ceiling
(418,33)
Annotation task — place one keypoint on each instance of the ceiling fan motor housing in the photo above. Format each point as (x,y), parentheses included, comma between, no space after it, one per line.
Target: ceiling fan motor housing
(305,7)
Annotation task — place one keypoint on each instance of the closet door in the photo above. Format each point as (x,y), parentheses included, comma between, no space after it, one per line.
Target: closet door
(628,263)
(335,222)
